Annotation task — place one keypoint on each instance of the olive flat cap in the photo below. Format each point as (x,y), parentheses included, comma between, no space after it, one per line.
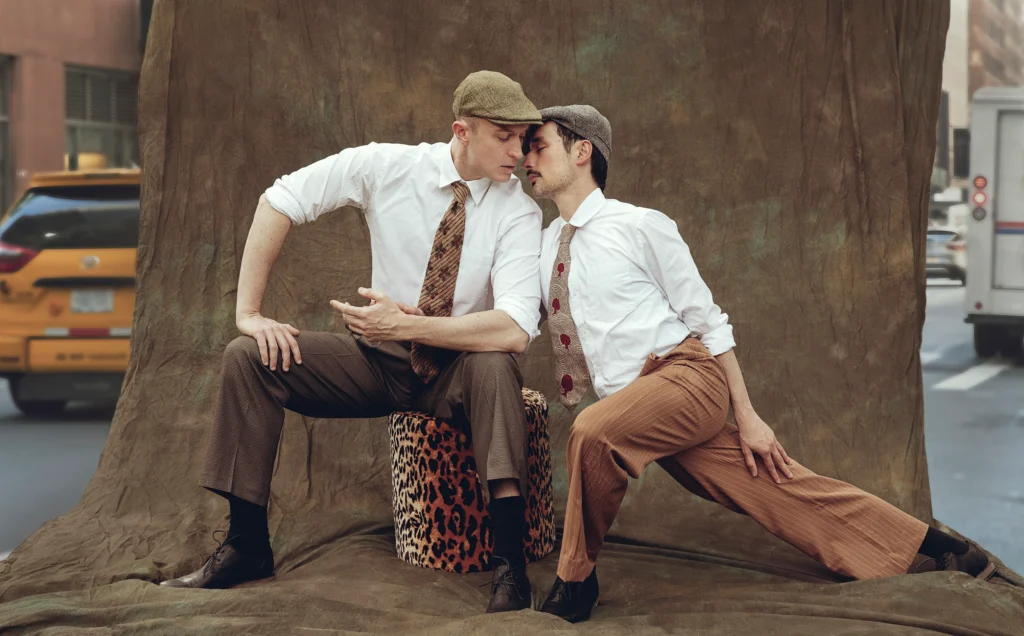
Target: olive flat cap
(585,121)
(493,96)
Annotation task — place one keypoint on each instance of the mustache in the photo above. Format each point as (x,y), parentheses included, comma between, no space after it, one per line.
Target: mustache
(532,173)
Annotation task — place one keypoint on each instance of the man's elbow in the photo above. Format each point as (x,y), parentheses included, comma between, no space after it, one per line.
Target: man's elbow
(519,341)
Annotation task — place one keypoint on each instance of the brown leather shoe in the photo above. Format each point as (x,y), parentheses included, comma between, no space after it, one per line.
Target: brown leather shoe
(225,568)
(510,589)
(974,562)
(573,601)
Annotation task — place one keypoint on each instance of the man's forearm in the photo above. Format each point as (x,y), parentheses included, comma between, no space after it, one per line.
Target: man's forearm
(262,246)
(492,330)
(734,378)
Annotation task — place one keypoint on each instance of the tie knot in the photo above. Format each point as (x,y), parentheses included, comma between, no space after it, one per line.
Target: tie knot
(567,233)
(461,192)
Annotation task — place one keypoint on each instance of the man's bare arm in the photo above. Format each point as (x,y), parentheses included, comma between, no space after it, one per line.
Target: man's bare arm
(492,330)
(755,435)
(262,247)
(384,320)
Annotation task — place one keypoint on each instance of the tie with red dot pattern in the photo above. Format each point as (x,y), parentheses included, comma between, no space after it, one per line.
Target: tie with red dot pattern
(570,363)
(437,296)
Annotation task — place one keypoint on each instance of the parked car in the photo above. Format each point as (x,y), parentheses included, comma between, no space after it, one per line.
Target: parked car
(67,288)
(947,254)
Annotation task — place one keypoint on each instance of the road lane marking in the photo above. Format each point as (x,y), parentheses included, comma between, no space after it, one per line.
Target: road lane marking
(927,357)
(973,377)
(4,555)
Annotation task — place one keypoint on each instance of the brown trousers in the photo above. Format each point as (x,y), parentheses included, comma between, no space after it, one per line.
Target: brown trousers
(675,413)
(343,377)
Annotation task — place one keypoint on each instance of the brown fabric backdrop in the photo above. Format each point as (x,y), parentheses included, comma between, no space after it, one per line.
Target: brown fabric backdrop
(793,143)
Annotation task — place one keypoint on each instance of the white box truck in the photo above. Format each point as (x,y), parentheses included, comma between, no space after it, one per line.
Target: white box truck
(994,298)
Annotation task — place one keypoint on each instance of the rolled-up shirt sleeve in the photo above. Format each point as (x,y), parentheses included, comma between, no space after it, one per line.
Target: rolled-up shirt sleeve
(670,264)
(347,178)
(515,280)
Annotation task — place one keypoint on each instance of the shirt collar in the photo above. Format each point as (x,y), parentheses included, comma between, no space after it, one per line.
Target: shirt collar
(589,208)
(449,174)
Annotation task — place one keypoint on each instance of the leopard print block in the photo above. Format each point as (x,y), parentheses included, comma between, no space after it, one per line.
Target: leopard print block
(441,518)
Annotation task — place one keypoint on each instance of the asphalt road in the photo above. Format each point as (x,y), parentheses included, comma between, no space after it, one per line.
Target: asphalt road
(45,465)
(974,432)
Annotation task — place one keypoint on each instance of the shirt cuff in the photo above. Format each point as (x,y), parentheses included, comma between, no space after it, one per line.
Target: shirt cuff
(718,341)
(284,202)
(527,321)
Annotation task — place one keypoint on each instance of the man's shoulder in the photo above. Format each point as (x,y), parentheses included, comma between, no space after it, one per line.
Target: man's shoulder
(411,152)
(639,215)
(617,211)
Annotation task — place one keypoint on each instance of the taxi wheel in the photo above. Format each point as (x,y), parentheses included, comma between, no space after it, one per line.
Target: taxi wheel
(40,409)
(35,409)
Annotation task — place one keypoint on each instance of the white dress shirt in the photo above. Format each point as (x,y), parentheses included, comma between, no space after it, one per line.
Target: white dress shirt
(633,289)
(404,191)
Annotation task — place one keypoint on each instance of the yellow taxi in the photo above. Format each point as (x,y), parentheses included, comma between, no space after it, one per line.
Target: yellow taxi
(67,288)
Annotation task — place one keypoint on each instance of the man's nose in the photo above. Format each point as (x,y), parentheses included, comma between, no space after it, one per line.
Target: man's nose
(516,152)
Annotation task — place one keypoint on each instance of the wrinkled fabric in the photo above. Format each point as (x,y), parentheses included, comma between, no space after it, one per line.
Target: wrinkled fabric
(791,141)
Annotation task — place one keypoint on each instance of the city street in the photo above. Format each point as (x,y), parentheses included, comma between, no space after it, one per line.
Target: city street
(974,430)
(45,465)
(974,413)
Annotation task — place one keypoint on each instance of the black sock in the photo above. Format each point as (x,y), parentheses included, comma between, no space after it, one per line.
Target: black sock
(936,543)
(508,522)
(248,532)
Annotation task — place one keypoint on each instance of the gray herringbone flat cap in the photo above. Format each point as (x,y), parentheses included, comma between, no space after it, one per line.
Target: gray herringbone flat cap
(585,121)
(493,96)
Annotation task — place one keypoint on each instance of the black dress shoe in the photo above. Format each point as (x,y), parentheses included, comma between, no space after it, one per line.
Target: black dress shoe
(227,567)
(573,601)
(510,589)
(973,562)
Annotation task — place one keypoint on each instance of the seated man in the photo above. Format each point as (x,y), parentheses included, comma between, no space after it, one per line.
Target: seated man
(629,313)
(455,243)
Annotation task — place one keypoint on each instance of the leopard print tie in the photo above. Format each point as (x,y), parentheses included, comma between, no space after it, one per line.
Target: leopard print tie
(570,363)
(437,295)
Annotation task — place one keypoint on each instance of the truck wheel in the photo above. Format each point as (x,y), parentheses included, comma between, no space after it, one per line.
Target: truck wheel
(51,408)
(987,340)
(1012,346)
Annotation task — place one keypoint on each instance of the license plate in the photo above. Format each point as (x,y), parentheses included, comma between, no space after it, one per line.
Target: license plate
(92,301)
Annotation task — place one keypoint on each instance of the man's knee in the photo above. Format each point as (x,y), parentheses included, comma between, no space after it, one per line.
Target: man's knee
(589,429)
(492,364)
(241,352)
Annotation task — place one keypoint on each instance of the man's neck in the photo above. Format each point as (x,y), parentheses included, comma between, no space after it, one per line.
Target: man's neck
(466,171)
(569,200)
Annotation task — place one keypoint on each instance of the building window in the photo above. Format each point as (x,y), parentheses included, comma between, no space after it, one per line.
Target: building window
(101,109)
(994,66)
(994,31)
(6,161)
(961,153)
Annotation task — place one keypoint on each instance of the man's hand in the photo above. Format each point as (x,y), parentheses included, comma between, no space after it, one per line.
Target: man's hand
(382,320)
(757,437)
(272,336)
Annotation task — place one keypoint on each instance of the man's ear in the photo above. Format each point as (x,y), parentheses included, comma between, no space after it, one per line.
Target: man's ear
(461,129)
(583,153)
